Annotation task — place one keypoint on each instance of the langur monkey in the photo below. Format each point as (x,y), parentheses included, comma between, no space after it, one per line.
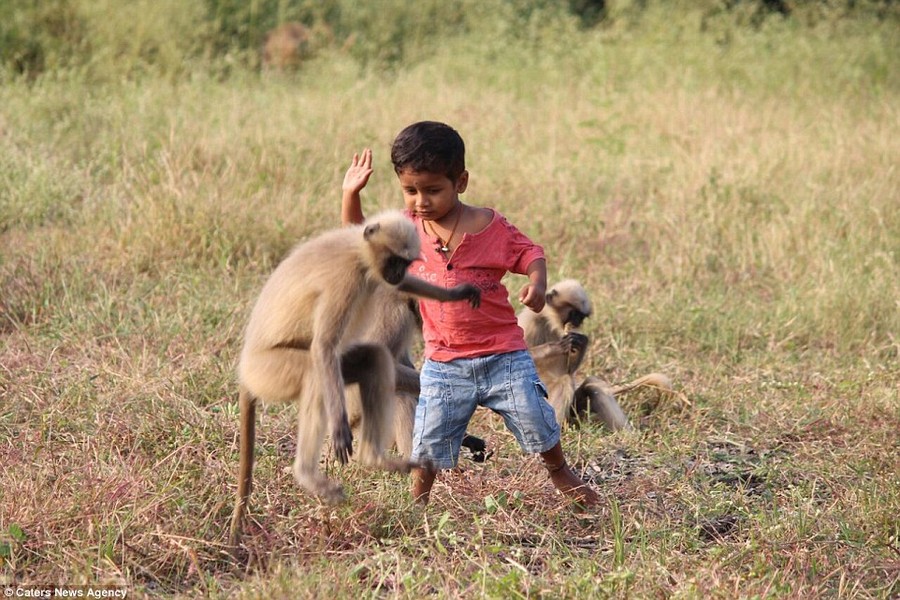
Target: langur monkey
(299,346)
(558,350)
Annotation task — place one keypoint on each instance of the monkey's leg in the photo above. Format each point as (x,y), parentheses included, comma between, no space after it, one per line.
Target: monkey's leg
(373,368)
(593,398)
(560,391)
(405,410)
(406,397)
(245,469)
(407,378)
(404,419)
(285,374)
(311,425)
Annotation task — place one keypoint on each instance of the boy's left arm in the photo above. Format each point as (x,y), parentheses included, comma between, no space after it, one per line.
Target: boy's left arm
(534,294)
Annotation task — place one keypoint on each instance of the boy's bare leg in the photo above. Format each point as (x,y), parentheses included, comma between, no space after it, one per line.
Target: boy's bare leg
(565,480)
(422,480)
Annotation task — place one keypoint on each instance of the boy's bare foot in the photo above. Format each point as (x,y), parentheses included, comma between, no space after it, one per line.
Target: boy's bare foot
(422,481)
(573,487)
(567,481)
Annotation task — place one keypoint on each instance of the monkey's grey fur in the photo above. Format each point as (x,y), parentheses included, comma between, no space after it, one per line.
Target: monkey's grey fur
(301,346)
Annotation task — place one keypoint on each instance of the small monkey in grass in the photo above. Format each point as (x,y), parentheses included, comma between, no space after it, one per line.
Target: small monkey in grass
(558,350)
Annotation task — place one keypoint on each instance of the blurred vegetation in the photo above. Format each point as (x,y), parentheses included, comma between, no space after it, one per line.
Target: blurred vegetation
(109,39)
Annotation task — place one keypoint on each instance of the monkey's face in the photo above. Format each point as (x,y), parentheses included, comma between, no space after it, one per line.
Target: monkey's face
(393,245)
(394,268)
(570,302)
(575,317)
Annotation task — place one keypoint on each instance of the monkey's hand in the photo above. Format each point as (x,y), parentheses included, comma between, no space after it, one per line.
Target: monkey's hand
(467,291)
(342,439)
(575,344)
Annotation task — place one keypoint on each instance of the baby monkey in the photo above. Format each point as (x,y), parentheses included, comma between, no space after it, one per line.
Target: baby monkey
(559,349)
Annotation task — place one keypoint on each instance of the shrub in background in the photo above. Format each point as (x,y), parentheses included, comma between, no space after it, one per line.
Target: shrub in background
(109,39)
(38,35)
(104,39)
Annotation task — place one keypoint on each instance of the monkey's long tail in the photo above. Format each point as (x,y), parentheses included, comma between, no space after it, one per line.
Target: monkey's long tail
(654,380)
(245,469)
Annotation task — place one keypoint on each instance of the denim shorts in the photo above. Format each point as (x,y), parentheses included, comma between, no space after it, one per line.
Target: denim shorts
(508,384)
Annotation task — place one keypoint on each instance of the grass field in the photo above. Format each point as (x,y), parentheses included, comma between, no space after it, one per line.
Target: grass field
(728,195)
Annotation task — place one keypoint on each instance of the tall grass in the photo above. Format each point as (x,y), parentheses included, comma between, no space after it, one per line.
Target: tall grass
(726,192)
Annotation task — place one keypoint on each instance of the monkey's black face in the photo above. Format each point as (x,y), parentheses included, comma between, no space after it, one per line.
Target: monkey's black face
(394,269)
(576,318)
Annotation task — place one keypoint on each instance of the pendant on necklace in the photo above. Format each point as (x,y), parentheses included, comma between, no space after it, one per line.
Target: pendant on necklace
(444,249)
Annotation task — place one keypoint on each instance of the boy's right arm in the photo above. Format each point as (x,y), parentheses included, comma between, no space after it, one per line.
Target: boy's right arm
(355,180)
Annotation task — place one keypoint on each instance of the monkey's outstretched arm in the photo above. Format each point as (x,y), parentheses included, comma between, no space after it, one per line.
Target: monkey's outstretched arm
(420,287)
(328,328)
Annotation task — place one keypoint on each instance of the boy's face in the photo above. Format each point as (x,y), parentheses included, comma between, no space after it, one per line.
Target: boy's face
(431,195)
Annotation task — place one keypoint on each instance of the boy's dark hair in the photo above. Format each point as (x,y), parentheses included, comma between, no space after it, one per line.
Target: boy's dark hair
(429,146)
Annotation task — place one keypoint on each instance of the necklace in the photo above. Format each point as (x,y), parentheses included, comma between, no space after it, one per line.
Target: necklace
(445,245)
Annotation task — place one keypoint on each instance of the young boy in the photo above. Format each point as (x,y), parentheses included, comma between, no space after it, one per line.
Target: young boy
(473,357)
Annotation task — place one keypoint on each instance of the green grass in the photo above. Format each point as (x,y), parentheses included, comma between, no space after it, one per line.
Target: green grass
(728,196)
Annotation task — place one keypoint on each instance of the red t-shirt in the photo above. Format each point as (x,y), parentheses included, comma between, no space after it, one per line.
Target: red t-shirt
(454,329)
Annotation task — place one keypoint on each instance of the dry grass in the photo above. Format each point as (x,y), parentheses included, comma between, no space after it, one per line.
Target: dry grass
(735,221)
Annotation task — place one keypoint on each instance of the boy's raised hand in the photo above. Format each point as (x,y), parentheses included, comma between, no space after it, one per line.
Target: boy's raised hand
(358,174)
